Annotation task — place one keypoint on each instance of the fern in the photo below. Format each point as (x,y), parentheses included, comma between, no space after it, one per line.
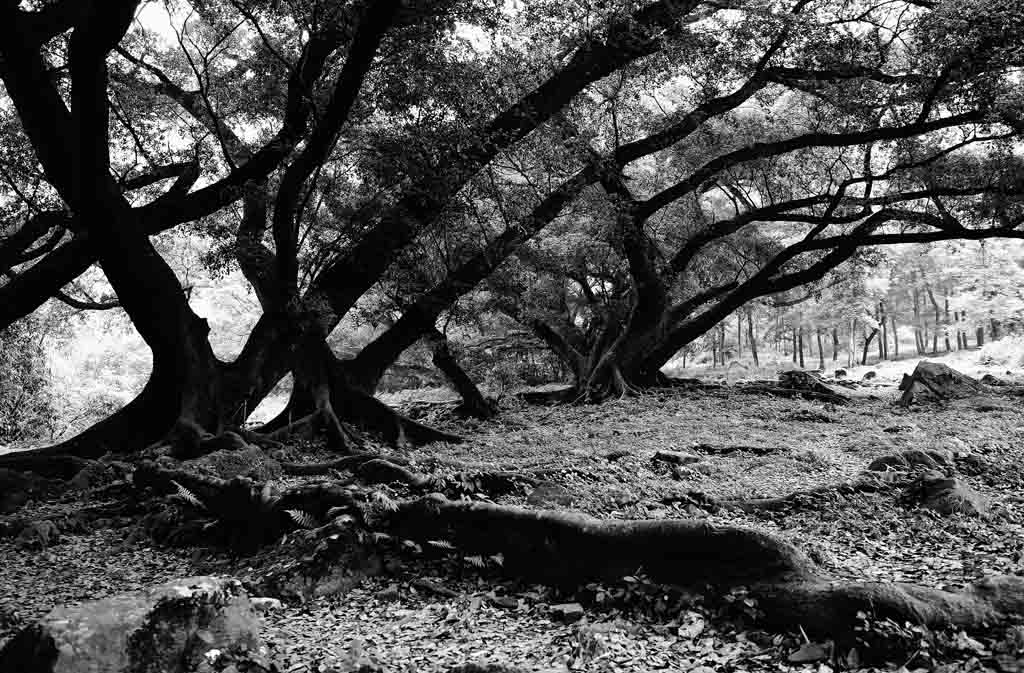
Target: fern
(441,544)
(476,561)
(302,519)
(382,501)
(188,496)
(380,537)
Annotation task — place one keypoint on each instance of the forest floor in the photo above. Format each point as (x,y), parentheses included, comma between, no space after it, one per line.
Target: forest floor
(602,457)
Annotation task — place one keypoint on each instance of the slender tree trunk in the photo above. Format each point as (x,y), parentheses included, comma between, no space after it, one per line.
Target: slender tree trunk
(948,326)
(995,328)
(882,338)
(473,401)
(980,335)
(938,319)
(751,337)
(739,334)
(895,339)
(821,350)
(795,356)
(919,340)
(867,342)
(835,344)
(852,352)
(800,344)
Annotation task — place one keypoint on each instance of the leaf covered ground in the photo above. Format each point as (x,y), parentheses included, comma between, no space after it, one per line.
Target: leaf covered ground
(427,610)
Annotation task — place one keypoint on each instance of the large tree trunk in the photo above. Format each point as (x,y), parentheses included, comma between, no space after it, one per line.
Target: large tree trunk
(325,400)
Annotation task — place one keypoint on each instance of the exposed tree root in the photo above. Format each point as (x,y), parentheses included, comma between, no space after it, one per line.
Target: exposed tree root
(571,549)
(57,466)
(801,499)
(562,548)
(344,463)
(559,396)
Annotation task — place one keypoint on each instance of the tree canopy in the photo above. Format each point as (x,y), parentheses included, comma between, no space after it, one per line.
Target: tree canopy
(618,177)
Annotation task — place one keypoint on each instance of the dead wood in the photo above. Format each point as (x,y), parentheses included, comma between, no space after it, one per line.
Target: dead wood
(719,450)
(775,391)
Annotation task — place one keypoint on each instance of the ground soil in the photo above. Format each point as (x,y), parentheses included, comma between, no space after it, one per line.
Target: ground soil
(602,455)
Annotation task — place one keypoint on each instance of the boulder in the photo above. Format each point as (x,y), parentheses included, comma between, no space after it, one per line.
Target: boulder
(165,629)
(93,475)
(676,457)
(249,462)
(936,381)
(15,488)
(566,612)
(947,495)
(548,494)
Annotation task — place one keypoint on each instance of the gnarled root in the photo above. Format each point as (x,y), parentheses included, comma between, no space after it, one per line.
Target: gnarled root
(563,548)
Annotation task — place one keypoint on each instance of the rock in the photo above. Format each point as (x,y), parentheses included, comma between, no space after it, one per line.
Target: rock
(265,604)
(91,476)
(566,612)
(990,380)
(38,534)
(165,629)
(901,427)
(947,495)
(15,489)
(840,374)
(936,381)
(869,375)
(390,594)
(250,462)
(810,652)
(507,602)
(549,493)
(676,457)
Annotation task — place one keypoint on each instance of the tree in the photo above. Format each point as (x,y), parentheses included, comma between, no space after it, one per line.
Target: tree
(341,186)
